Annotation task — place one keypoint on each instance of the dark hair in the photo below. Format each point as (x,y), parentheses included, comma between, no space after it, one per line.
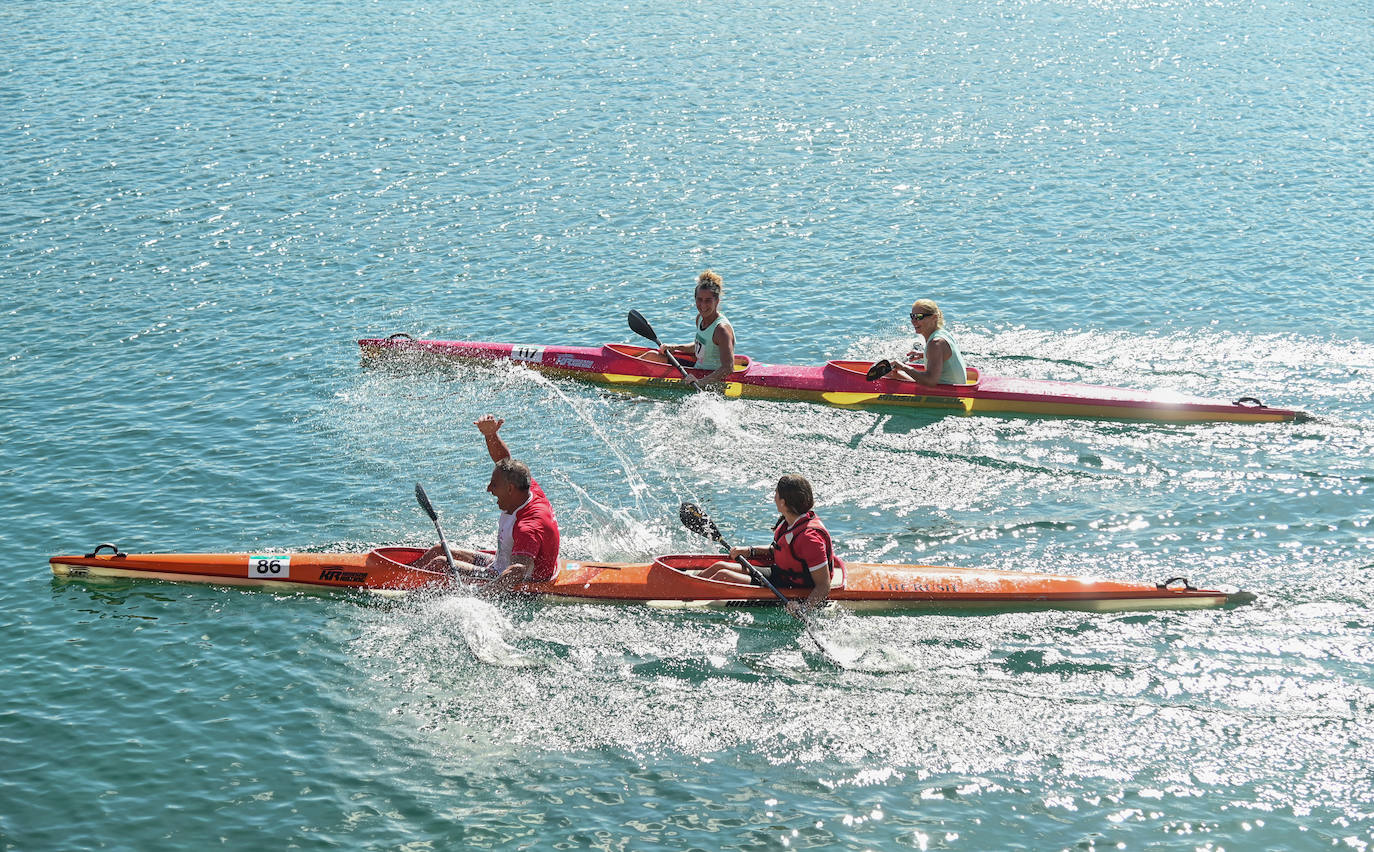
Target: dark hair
(710,282)
(516,473)
(795,492)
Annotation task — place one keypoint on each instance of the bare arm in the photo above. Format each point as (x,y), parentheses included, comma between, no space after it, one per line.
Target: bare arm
(678,349)
(821,591)
(725,340)
(936,355)
(521,568)
(488,425)
(749,552)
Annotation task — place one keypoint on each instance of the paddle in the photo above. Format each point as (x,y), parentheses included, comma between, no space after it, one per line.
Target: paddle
(697,521)
(434,516)
(878,370)
(640,326)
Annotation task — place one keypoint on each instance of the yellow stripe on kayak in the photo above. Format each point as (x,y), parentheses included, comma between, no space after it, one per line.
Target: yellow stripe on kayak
(848,398)
(622,379)
(853,398)
(734,390)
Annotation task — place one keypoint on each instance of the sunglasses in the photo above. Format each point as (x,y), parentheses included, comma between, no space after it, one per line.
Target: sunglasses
(919,317)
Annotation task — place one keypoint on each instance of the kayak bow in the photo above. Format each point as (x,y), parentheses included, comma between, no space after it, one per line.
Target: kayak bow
(863,586)
(842,383)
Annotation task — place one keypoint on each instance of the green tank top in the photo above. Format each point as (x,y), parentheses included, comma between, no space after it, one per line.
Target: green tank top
(708,353)
(954,371)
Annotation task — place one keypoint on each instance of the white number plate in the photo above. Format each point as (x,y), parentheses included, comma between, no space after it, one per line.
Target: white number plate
(269,566)
(521,352)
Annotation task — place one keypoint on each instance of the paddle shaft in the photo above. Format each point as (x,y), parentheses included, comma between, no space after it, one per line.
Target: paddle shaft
(753,571)
(639,325)
(787,605)
(695,520)
(421,496)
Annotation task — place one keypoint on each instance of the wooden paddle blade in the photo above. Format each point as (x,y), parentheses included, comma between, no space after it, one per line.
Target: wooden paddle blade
(640,326)
(878,370)
(696,520)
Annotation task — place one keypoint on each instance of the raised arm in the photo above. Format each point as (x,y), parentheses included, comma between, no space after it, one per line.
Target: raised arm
(488,425)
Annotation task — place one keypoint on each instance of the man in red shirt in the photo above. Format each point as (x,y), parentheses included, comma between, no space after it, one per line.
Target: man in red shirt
(527,537)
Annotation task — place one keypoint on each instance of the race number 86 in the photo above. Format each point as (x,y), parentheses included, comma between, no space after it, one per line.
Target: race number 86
(273,566)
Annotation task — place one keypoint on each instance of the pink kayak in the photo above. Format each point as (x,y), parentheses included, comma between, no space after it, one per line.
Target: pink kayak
(841,383)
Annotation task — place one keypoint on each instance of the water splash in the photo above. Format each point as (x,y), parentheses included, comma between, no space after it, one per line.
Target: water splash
(484,629)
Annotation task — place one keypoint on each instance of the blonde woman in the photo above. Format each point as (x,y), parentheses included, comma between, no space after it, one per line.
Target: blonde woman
(944,361)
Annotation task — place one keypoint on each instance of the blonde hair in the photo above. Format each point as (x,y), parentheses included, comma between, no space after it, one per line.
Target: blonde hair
(926,306)
(711,282)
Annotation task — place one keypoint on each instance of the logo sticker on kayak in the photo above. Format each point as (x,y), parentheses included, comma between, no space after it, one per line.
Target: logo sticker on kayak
(574,361)
(522,352)
(269,566)
(340,575)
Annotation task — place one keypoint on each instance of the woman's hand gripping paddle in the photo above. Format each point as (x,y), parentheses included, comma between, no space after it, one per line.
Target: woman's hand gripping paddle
(640,326)
(698,522)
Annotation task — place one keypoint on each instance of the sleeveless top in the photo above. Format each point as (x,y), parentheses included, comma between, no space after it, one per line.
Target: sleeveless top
(954,371)
(708,353)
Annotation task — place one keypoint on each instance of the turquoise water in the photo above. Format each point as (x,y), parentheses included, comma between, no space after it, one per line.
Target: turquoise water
(204,206)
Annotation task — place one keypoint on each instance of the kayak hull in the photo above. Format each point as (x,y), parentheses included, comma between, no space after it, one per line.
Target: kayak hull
(841,383)
(664,582)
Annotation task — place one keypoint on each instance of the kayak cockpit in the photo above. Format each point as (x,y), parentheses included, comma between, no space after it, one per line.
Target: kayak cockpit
(861,368)
(401,556)
(695,562)
(653,356)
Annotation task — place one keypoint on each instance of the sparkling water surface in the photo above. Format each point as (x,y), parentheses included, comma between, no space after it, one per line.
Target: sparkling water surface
(204,207)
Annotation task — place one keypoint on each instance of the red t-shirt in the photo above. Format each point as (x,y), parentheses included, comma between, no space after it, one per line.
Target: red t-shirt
(800,547)
(536,534)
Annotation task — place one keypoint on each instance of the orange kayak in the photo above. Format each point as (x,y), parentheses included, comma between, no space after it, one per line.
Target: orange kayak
(665,581)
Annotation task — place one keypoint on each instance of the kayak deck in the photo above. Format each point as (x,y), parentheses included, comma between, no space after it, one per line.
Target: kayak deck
(842,383)
(863,586)
(386,570)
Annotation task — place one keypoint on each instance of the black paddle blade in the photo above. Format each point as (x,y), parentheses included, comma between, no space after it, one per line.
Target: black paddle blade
(878,370)
(425,504)
(640,326)
(696,520)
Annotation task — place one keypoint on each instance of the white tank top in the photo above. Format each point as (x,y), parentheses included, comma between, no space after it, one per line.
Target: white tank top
(707,352)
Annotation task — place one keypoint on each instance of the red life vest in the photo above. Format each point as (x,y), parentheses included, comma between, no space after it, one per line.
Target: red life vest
(789,569)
